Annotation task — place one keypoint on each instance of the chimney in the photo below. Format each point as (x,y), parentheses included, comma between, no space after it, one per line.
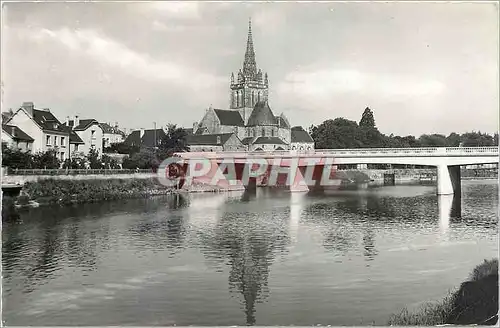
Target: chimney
(142,133)
(67,120)
(76,121)
(28,106)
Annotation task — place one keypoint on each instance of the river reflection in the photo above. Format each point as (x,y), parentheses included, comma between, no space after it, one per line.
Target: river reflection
(347,258)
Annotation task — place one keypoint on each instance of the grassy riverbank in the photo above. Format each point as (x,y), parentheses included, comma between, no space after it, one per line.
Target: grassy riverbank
(52,191)
(475,302)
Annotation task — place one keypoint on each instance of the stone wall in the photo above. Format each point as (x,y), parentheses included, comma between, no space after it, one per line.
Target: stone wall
(21,179)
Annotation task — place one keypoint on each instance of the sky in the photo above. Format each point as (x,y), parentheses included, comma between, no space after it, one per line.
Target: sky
(421,67)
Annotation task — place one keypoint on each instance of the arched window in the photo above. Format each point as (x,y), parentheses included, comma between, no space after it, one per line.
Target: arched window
(301,148)
(293,147)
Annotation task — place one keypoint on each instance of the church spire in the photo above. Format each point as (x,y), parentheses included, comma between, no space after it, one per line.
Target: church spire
(249,65)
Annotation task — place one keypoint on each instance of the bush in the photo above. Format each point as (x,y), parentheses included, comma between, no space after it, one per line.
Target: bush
(475,302)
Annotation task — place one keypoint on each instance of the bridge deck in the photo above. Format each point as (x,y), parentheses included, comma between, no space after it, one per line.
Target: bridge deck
(360,152)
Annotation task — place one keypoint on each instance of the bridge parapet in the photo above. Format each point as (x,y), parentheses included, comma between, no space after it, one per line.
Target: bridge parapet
(357,152)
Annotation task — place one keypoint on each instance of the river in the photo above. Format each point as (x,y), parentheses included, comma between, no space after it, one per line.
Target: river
(351,257)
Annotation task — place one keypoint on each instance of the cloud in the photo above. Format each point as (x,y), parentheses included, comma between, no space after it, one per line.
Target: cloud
(321,85)
(173,9)
(114,54)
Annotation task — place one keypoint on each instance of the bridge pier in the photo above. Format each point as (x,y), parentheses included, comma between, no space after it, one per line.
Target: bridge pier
(448,180)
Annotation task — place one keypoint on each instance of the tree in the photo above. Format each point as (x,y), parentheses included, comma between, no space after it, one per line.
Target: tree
(93,159)
(338,133)
(46,160)
(16,158)
(477,139)
(432,140)
(144,159)
(453,140)
(73,163)
(121,148)
(367,119)
(174,140)
(109,163)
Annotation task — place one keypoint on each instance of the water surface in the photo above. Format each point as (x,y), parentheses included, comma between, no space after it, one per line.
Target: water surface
(350,257)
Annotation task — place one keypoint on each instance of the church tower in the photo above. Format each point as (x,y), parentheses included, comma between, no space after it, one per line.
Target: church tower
(250,86)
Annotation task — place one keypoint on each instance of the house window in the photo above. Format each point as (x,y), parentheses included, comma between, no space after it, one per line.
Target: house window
(263,132)
(48,141)
(272,133)
(218,139)
(63,143)
(55,140)
(92,134)
(62,156)
(76,147)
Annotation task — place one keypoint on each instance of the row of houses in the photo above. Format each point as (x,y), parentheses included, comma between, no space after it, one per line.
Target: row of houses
(203,141)
(38,130)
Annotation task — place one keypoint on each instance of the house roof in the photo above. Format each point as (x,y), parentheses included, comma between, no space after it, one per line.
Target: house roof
(74,138)
(147,140)
(47,120)
(83,124)
(16,133)
(229,117)
(208,139)
(300,135)
(106,128)
(261,115)
(268,141)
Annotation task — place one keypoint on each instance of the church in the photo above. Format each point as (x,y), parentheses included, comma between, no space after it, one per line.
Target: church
(249,124)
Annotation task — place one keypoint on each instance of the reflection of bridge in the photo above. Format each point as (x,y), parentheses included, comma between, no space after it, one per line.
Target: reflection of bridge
(447,160)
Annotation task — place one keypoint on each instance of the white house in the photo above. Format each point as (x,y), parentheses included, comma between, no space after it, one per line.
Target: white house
(111,134)
(89,131)
(44,128)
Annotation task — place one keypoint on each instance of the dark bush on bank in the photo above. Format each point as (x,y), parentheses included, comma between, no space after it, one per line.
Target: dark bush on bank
(54,191)
(475,302)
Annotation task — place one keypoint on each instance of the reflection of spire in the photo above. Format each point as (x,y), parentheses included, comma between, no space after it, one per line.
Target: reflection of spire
(369,245)
(250,248)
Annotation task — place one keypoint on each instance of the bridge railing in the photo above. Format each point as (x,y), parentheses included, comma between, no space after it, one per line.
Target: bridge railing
(74,171)
(359,152)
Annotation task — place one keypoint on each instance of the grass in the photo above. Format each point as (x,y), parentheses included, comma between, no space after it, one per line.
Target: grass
(470,304)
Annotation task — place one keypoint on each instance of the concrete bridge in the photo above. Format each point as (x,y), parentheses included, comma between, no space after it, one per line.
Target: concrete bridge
(447,160)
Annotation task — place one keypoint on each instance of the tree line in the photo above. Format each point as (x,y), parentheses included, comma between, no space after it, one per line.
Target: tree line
(343,133)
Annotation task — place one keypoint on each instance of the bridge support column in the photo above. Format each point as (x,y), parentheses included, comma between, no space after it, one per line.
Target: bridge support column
(448,180)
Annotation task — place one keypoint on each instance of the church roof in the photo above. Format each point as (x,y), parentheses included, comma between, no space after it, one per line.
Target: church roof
(268,141)
(229,117)
(261,115)
(283,122)
(300,135)
(247,140)
(208,139)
